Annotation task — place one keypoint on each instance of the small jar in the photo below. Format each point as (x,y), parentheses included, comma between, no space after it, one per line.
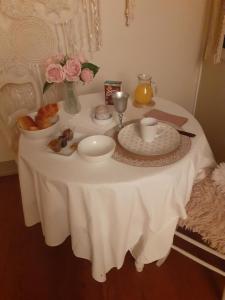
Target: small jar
(102,112)
(144,91)
(102,115)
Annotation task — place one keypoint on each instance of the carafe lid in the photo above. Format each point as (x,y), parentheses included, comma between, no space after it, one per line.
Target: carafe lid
(144,76)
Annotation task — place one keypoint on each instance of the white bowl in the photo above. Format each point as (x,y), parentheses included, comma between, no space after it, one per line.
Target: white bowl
(96,148)
(41,133)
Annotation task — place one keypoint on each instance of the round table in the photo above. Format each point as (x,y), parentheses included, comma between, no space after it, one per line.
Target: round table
(109,208)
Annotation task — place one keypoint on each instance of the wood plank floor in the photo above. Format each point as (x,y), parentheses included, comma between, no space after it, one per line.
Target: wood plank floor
(30,270)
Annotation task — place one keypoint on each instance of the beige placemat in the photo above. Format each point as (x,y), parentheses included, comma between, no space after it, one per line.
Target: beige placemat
(132,159)
(166,117)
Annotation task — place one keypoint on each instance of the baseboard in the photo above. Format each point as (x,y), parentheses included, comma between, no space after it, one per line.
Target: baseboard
(8,168)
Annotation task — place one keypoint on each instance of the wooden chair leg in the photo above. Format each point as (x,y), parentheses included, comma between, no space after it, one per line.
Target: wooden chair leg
(223,297)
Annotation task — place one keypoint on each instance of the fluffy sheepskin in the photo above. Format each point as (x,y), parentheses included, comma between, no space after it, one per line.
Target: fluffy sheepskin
(206,209)
(218,176)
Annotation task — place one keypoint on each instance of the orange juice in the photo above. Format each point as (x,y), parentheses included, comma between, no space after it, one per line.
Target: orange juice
(143,93)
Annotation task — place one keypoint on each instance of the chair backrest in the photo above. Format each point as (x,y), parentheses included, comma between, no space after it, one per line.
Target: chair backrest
(19,95)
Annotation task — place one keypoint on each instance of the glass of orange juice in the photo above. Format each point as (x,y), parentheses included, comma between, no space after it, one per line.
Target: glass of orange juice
(144,92)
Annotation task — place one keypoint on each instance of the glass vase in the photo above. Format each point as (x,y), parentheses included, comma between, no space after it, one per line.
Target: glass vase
(71,101)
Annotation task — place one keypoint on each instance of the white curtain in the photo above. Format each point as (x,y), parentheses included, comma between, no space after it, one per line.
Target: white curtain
(216,31)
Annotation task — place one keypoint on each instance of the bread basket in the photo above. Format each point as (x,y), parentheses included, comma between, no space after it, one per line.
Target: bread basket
(40,133)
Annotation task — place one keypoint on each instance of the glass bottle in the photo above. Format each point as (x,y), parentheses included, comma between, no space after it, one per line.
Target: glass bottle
(144,91)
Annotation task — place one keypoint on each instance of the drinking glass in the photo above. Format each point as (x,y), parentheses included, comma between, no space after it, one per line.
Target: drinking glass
(120,104)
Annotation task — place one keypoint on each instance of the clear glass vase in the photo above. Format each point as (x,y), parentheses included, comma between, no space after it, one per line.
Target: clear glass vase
(71,101)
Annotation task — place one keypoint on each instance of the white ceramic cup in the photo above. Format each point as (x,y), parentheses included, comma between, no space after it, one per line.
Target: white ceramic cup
(148,129)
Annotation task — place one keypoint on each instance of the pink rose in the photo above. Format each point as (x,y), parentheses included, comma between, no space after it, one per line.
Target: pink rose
(58,58)
(86,75)
(54,73)
(72,69)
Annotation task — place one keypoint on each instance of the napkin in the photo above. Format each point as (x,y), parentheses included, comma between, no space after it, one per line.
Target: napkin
(163,116)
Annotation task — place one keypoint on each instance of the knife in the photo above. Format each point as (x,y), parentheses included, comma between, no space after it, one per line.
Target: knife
(190,134)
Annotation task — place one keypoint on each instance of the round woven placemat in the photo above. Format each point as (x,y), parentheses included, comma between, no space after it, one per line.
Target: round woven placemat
(132,159)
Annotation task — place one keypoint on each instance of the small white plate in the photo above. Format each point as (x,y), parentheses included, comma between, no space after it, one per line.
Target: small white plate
(71,145)
(130,139)
(67,150)
(96,148)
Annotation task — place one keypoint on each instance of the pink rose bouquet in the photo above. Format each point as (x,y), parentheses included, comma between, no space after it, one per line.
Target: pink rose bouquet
(60,68)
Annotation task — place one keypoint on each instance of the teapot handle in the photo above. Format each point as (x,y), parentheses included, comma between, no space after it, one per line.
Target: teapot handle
(154,88)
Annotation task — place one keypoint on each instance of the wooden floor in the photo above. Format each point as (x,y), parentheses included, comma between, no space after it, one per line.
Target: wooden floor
(30,270)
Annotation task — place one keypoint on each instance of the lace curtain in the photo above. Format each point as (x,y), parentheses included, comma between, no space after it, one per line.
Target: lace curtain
(33,30)
(30,32)
(216,31)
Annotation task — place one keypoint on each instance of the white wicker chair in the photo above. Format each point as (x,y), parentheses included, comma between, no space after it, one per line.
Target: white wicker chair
(206,217)
(19,94)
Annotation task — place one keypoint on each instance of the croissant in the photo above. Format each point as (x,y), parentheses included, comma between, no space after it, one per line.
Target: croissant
(27,123)
(46,115)
(48,110)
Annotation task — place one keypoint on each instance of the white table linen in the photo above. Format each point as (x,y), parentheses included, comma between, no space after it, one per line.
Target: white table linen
(108,208)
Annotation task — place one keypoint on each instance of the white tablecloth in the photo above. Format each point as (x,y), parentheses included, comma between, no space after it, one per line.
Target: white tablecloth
(108,208)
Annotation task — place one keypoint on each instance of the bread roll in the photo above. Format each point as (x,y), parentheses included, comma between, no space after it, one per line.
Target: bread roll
(42,123)
(27,123)
(48,110)
(33,128)
(47,115)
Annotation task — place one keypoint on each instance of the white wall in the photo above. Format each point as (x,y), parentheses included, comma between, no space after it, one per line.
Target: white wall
(164,40)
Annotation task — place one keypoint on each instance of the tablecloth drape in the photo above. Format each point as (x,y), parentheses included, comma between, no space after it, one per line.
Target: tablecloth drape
(109,208)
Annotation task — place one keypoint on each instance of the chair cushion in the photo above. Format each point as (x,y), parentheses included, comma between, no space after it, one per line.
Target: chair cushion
(206,212)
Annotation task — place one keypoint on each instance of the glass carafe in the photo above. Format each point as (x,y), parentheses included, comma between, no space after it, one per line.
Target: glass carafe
(144,91)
